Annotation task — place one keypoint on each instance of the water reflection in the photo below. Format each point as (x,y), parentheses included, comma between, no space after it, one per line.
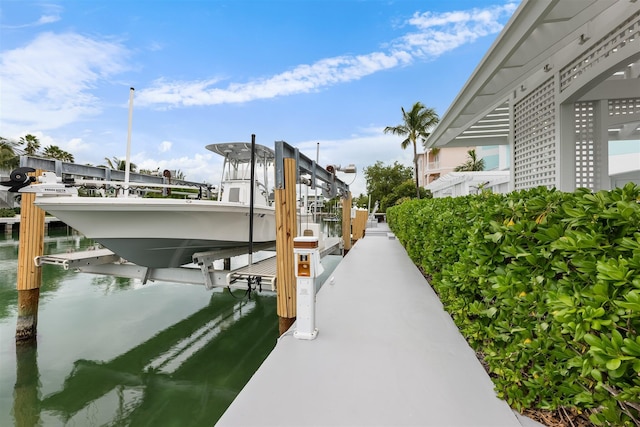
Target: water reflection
(26,393)
(187,374)
(109,284)
(113,351)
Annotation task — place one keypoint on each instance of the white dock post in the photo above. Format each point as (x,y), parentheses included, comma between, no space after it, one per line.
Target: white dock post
(307,268)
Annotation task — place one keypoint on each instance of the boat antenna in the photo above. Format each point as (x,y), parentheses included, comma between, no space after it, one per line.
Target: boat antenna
(252,195)
(128,157)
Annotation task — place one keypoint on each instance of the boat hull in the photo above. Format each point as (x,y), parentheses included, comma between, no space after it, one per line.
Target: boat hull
(162,233)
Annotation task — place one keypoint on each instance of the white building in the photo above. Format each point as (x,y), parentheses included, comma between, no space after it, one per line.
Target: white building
(560,89)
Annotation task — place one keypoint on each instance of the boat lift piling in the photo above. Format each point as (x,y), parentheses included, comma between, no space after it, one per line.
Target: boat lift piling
(346,223)
(290,164)
(29,277)
(285,232)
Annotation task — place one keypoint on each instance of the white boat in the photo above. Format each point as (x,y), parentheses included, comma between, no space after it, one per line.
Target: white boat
(164,232)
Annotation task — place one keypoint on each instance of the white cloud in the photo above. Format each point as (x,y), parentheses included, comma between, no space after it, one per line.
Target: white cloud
(199,168)
(48,83)
(436,33)
(48,97)
(301,79)
(52,15)
(441,32)
(48,19)
(76,146)
(165,146)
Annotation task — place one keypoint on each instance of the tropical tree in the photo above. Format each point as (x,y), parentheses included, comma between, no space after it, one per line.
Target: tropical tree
(402,193)
(417,124)
(382,182)
(472,164)
(55,152)
(120,164)
(362,201)
(8,157)
(31,144)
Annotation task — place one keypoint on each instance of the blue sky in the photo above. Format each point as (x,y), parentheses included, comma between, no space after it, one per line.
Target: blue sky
(333,72)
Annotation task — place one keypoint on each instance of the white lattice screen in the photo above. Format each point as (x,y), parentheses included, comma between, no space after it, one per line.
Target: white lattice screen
(621,107)
(586,156)
(535,150)
(625,35)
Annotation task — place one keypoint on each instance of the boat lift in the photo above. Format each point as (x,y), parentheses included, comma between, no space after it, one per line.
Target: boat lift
(260,275)
(202,271)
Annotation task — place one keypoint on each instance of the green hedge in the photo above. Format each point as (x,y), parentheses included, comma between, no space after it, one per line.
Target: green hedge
(545,286)
(7,213)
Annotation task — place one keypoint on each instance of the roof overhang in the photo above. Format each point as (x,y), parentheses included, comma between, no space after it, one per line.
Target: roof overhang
(523,52)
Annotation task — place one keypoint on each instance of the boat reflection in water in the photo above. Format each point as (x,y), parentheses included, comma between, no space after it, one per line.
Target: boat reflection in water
(112,351)
(187,374)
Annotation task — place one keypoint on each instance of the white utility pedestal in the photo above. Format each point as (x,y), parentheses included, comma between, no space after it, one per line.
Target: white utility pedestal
(307,268)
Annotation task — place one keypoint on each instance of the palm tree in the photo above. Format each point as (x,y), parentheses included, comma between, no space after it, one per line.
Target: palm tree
(473,164)
(119,164)
(55,152)
(417,125)
(9,159)
(32,145)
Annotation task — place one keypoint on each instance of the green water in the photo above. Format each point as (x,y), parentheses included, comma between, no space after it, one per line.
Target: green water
(114,352)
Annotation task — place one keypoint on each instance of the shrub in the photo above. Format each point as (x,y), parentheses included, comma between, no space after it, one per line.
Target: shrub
(545,286)
(7,213)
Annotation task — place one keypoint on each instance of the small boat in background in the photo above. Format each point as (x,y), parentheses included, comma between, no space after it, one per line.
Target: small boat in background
(165,232)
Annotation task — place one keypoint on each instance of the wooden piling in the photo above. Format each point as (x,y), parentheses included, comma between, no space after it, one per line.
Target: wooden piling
(346,222)
(360,224)
(31,245)
(285,199)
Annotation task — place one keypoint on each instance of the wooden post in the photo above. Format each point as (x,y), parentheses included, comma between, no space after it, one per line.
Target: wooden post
(346,222)
(285,232)
(31,245)
(360,224)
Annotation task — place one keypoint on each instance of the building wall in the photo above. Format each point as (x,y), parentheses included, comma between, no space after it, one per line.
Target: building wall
(433,167)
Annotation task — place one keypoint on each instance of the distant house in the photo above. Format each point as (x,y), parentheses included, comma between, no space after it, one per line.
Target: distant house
(437,171)
(433,164)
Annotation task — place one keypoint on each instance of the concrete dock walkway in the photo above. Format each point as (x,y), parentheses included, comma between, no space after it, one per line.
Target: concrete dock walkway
(387,354)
